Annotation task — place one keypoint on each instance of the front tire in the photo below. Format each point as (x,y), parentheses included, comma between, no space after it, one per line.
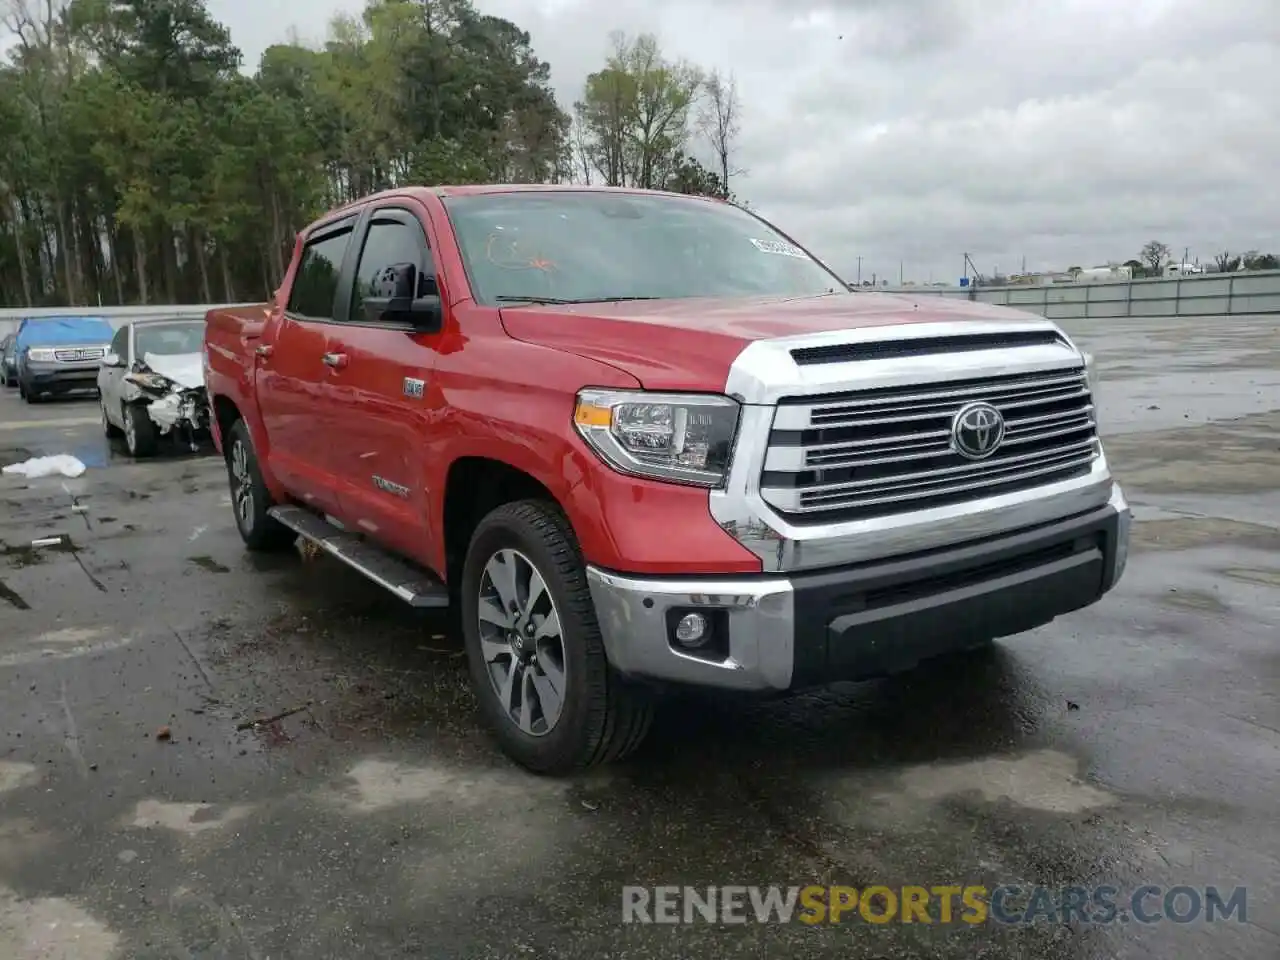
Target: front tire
(140,437)
(108,428)
(529,627)
(250,498)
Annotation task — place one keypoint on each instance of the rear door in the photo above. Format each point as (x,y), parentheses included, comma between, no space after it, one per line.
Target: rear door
(383,389)
(292,379)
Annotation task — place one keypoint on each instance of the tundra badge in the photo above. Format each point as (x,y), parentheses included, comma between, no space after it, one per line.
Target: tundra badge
(414,387)
(393,488)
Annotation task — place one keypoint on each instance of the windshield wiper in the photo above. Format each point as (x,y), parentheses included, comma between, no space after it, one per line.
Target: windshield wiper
(505,298)
(530,299)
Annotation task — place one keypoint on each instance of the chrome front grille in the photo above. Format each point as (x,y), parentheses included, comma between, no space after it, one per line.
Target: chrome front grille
(885,451)
(73,354)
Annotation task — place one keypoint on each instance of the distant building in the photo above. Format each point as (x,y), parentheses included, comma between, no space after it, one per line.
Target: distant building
(1109,273)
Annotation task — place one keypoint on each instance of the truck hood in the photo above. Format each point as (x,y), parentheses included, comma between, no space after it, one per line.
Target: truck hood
(184,369)
(690,344)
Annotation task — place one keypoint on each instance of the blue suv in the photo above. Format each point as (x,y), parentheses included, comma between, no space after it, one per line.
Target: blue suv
(59,355)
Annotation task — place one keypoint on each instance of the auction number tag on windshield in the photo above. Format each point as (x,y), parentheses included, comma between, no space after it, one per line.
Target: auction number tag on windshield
(779,247)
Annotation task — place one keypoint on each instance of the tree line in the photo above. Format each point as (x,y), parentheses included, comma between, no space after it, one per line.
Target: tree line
(1155,256)
(140,164)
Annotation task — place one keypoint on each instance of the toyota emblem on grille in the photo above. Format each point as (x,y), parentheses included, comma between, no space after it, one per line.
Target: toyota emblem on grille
(976,430)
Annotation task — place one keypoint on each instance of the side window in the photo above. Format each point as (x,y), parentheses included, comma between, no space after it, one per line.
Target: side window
(316,282)
(120,343)
(388,242)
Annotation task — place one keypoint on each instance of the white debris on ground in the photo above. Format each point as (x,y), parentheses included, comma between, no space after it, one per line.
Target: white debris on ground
(61,464)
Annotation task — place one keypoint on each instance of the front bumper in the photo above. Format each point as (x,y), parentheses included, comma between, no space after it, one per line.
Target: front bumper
(38,377)
(778,633)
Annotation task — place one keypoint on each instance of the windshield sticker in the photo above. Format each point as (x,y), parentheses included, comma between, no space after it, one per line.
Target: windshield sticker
(779,247)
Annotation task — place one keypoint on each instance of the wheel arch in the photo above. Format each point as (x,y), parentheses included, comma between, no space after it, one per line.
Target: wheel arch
(474,487)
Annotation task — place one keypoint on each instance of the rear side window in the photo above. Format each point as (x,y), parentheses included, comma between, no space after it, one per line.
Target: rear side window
(316,283)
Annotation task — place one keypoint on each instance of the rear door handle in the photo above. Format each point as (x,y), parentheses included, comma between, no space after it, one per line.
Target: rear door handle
(337,360)
(264,350)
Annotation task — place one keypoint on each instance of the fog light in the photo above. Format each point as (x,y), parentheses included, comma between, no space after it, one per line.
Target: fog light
(691,630)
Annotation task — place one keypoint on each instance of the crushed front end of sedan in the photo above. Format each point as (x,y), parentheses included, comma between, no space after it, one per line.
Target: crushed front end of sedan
(172,391)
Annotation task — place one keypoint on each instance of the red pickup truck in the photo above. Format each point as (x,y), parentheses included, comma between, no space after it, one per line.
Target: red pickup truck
(635,439)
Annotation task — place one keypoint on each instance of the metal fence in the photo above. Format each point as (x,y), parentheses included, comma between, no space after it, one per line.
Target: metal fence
(1209,294)
(116,316)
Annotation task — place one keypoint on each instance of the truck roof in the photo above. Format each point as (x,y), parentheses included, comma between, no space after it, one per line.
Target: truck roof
(476,189)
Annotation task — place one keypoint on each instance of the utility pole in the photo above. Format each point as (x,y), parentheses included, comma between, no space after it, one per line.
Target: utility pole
(859,271)
(899,273)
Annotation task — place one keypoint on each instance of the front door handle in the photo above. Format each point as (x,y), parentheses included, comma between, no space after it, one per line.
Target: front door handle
(264,350)
(336,360)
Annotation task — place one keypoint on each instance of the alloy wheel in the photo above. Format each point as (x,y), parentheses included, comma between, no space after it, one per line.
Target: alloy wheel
(522,643)
(242,485)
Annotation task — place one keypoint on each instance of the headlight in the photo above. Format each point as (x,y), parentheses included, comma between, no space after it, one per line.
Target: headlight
(41,355)
(150,381)
(682,437)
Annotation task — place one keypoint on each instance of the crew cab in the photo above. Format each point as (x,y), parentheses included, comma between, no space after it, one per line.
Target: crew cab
(634,440)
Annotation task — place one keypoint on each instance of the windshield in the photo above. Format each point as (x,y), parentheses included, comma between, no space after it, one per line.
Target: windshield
(167,339)
(588,246)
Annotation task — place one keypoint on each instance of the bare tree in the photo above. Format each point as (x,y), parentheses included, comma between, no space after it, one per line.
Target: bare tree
(1154,256)
(719,121)
(1227,262)
(580,147)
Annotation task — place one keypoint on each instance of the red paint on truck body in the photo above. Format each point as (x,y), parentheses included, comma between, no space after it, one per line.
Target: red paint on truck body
(499,385)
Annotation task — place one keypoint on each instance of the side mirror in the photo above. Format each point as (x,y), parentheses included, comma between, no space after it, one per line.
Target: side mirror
(113,360)
(396,300)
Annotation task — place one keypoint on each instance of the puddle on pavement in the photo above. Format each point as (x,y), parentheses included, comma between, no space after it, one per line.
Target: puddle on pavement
(93,454)
(209,564)
(1179,399)
(1268,578)
(1198,600)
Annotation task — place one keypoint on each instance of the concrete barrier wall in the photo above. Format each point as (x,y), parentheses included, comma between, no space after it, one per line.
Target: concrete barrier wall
(1209,294)
(116,316)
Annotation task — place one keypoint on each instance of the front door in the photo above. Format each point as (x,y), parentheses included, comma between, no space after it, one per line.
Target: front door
(382,383)
(111,379)
(292,379)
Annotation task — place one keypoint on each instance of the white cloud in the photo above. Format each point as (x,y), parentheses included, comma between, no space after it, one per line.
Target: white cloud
(1062,131)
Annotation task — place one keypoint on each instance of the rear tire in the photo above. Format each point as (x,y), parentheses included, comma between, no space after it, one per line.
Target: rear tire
(140,436)
(250,498)
(601,717)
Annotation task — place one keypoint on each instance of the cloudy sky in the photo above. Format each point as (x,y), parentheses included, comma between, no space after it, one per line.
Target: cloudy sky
(908,132)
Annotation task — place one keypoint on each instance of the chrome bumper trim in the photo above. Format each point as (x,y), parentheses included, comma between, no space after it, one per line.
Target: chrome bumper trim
(633,613)
(1123,527)
(763,617)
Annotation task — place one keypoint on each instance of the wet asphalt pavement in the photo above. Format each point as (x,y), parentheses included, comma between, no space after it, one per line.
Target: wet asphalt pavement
(145,815)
